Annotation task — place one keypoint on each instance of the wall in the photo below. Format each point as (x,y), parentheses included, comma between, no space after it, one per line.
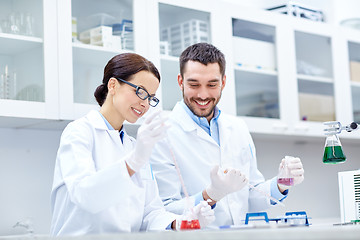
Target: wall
(27,160)
(318,195)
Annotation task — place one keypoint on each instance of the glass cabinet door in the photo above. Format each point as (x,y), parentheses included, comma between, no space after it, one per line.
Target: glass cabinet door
(256,78)
(21,51)
(100,30)
(354,62)
(314,77)
(179,28)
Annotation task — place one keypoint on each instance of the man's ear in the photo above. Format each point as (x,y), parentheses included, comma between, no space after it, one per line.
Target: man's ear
(223,82)
(180,82)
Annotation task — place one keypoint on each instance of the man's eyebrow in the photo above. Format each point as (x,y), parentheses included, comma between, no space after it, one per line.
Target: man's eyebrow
(194,80)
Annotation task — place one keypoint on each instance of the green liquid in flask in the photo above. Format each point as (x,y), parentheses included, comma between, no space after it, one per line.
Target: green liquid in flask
(333,155)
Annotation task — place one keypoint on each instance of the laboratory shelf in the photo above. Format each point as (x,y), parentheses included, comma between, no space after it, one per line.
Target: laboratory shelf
(314,78)
(16,44)
(24,114)
(355,84)
(297,57)
(93,55)
(255,70)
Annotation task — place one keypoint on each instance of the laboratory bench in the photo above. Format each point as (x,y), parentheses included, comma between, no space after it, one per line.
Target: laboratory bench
(273,232)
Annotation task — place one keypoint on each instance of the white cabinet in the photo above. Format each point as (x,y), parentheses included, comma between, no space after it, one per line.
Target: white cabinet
(353,44)
(82,60)
(179,26)
(285,75)
(28,63)
(289,73)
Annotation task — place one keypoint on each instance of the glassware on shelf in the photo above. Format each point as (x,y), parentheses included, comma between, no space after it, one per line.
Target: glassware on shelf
(29,24)
(8,85)
(18,23)
(14,23)
(5,26)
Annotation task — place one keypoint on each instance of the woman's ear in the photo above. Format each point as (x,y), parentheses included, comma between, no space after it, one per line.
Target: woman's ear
(111,85)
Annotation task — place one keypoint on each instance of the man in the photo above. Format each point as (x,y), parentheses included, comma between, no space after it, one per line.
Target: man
(201,137)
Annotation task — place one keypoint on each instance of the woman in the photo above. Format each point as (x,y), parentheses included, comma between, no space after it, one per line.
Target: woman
(103,182)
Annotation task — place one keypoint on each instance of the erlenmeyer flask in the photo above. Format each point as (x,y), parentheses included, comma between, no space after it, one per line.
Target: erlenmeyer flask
(333,152)
(188,220)
(284,176)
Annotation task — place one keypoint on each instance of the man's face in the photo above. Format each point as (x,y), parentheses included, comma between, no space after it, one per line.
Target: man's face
(202,86)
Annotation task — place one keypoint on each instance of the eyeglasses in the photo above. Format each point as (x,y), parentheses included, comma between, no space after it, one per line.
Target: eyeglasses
(142,93)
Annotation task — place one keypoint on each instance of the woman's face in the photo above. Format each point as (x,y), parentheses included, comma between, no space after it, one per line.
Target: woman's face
(127,105)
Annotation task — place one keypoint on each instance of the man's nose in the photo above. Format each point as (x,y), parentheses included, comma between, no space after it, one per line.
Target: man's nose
(203,93)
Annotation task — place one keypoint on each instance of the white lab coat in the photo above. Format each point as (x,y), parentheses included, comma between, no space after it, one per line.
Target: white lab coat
(196,153)
(92,191)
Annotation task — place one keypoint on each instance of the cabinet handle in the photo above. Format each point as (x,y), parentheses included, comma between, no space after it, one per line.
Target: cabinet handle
(302,128)
(280,127)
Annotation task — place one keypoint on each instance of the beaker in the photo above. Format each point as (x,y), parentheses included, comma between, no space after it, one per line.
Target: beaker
(187,224)
(285,177)
(333,152)
(189,220)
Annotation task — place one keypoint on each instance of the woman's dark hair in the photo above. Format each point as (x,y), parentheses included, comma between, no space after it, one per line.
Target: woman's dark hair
(123,66)
(203,53)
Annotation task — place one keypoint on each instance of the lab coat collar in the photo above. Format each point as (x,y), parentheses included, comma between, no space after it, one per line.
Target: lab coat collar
(96,120)
(180,116)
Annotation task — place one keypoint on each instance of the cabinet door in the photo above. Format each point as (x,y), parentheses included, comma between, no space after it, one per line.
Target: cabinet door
(28,62)
(354,63)
(179,27)
(315,76)
(255,66)
(93,32)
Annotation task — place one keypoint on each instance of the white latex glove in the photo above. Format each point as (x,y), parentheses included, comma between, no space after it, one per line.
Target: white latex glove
(295,169)
(152,130)
(201,212)
(204,213)
(230,181)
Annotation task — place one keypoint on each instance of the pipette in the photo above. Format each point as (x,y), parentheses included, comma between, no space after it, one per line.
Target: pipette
(252,187)
(178,170)
(185,223)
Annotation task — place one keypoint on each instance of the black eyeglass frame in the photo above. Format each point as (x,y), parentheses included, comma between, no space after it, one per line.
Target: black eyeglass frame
(153,101)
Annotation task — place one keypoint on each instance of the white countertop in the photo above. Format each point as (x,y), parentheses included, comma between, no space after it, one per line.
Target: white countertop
(311,232)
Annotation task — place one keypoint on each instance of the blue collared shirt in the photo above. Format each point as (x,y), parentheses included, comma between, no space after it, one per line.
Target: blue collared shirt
(121,132)
(211,128)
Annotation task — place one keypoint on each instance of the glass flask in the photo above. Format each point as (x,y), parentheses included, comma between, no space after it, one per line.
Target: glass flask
(189,220)
(285,177)
(333,152)
(190,224)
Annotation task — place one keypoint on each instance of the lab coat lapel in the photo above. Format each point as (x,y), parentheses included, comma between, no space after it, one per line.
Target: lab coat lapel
(128,144)
(224,135)
(180,116)
(224,130)
(98,123)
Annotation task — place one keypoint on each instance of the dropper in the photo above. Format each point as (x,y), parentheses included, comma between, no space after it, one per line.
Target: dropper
(179,173)
(252,187)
